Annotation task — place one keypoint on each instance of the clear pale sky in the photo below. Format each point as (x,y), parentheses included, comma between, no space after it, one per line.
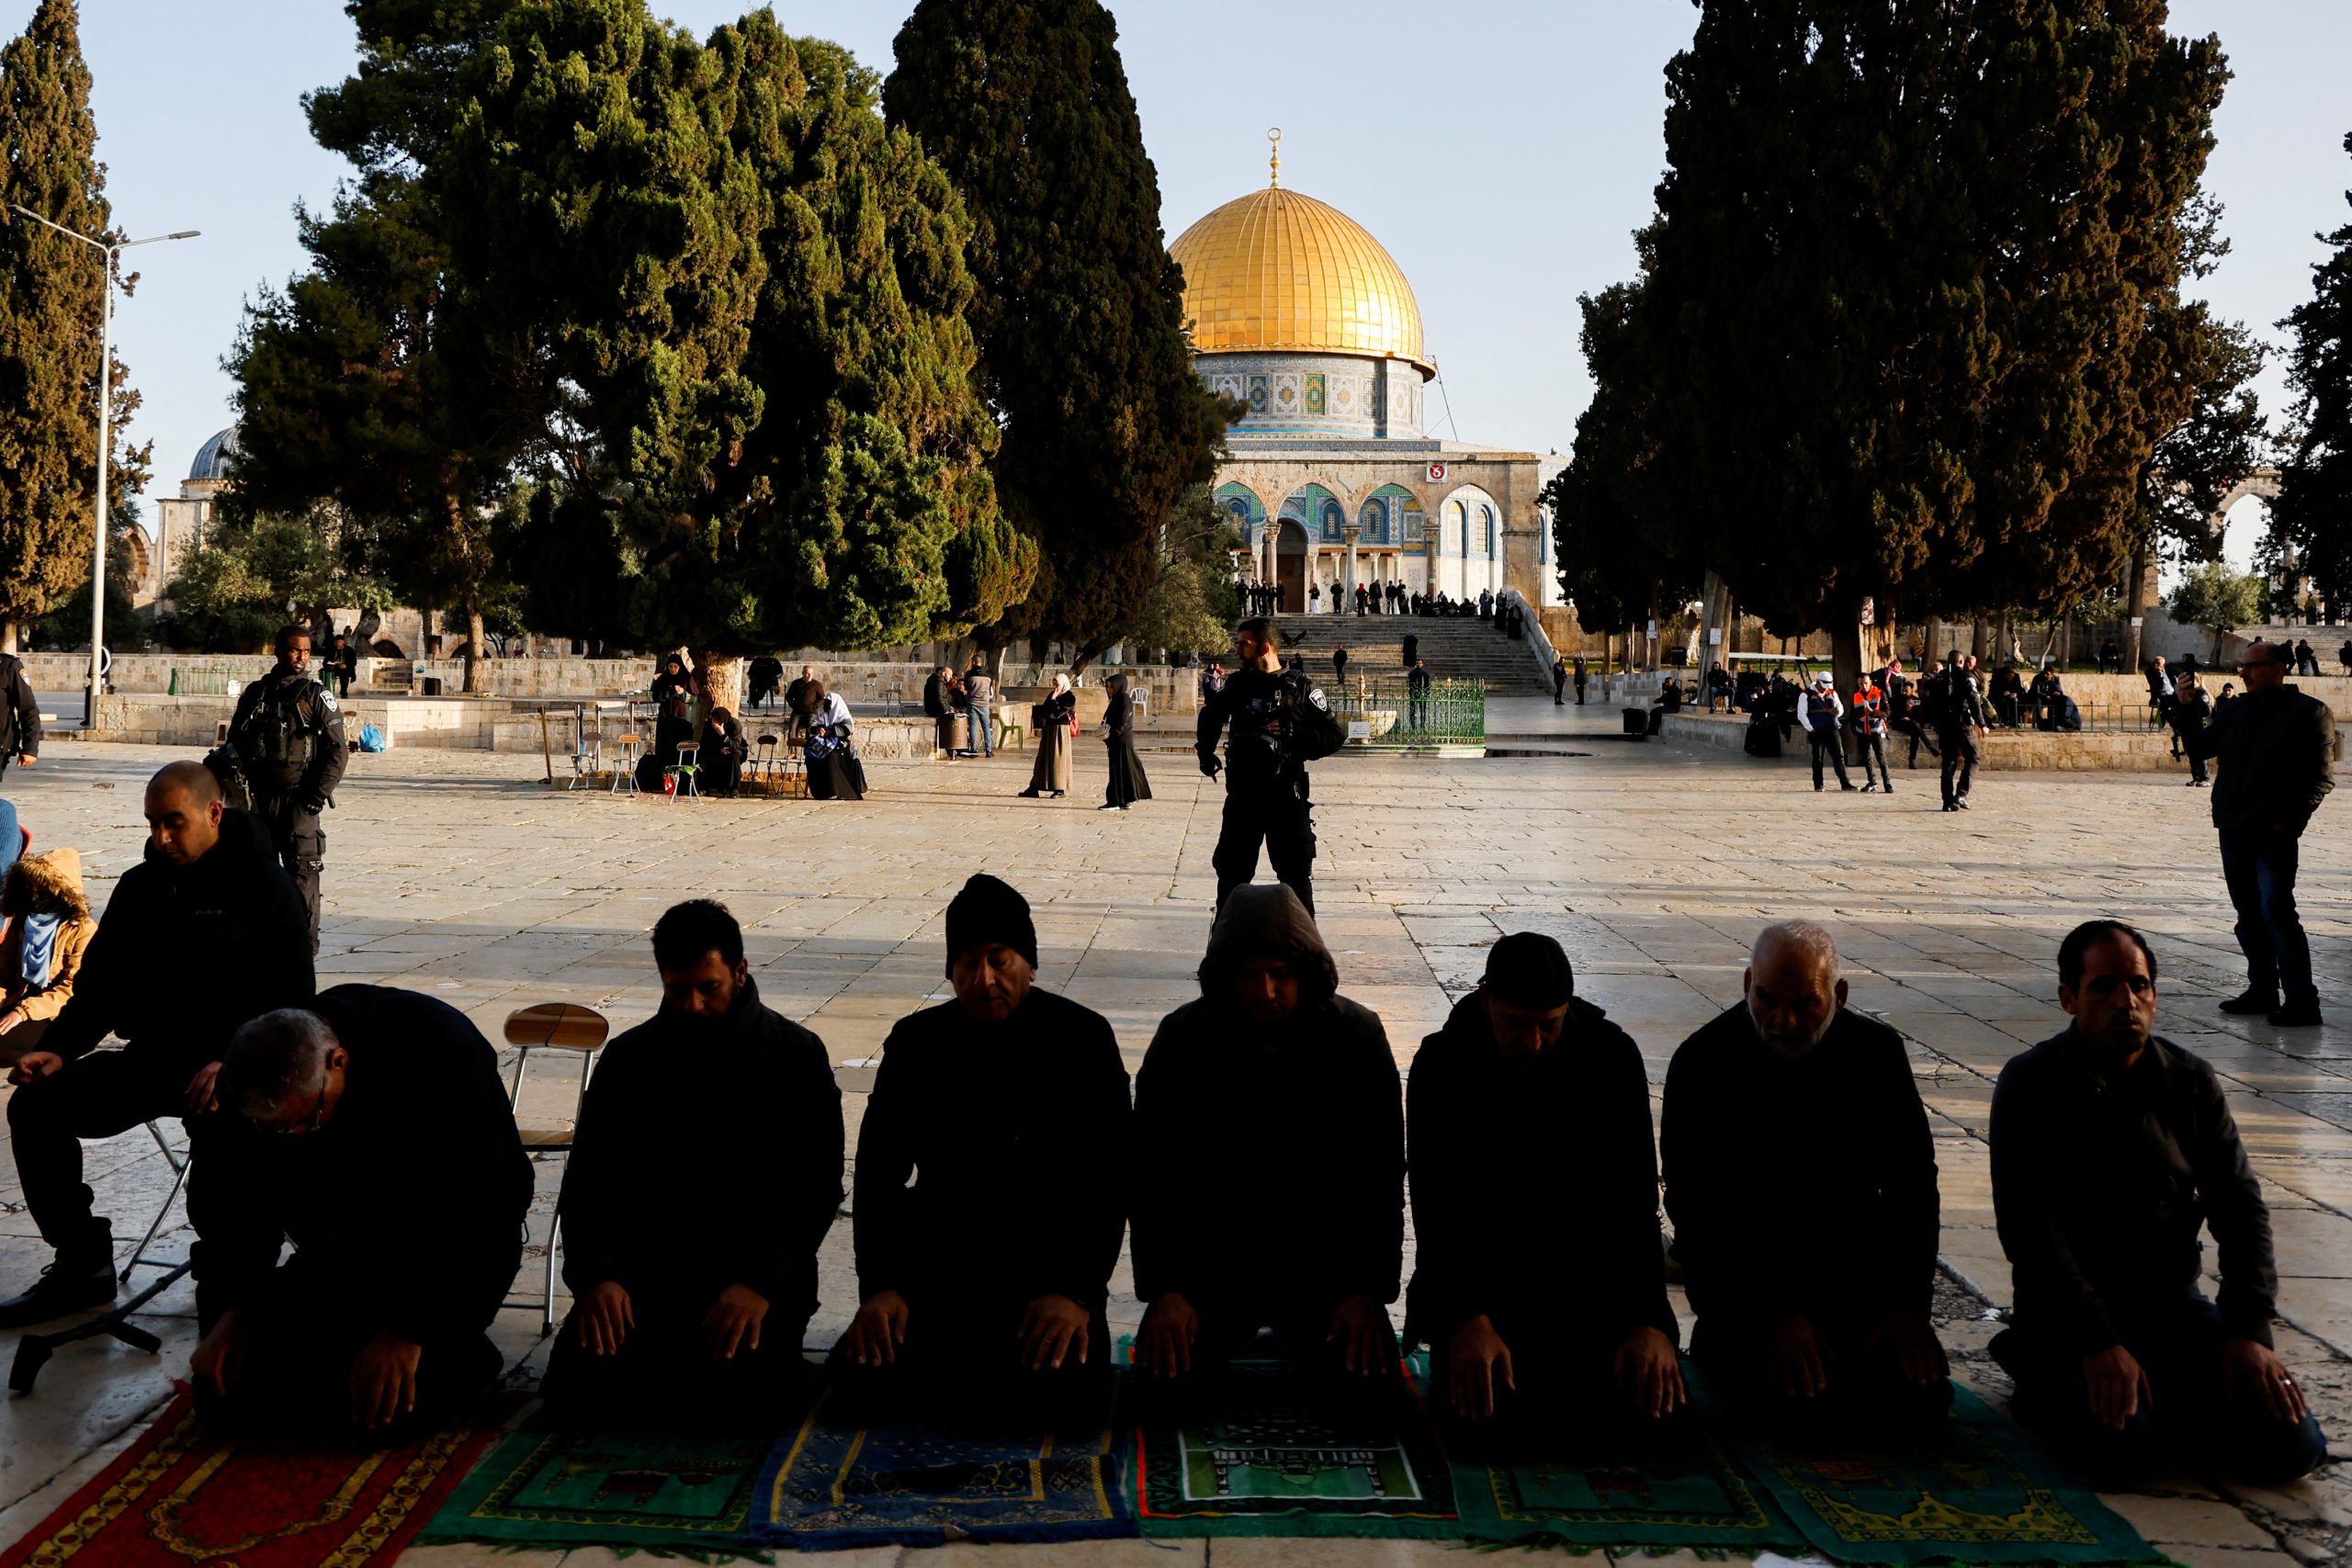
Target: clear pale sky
(1503,150)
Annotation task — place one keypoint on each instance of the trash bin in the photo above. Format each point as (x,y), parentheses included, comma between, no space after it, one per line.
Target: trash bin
(1637,724)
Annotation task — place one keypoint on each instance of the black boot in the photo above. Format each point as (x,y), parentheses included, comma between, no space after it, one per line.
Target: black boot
(2302,1014)
(73,1283)
(2253,999)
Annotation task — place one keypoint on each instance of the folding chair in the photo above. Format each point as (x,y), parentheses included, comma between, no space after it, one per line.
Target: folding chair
(765,758)
(552,1026)
(587,760)
(689,752)
(624,765)
(33,1350)
(796,764)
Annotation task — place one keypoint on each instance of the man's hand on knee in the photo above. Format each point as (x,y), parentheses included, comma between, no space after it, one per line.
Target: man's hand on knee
(1799,1367)
(877,1330)
(1164,1344)
(734,1321)
(1478,1362)
(383,1380)
(34,1066)
(220,1357)
(1650,1371)
(2116,1386)
(2251,1370)
(605,1316)
(1910,1340)
(1361,1328)
(1052,1330)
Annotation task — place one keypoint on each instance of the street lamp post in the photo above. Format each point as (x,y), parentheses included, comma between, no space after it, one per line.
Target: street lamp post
(105,444)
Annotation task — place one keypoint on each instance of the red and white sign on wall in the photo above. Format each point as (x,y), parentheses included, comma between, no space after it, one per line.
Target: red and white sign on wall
(1437,473)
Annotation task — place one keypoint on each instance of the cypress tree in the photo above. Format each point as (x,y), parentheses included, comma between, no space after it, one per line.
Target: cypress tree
(1911,266)
(2314,512)
(50,292)
(1080,309)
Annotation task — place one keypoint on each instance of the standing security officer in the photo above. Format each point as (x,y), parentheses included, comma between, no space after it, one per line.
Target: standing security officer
(288,733)
(1281,721)
(1957,709)
(19,719)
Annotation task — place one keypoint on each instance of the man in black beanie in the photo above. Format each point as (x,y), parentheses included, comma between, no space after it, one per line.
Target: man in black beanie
(989,1204)
(1530,1102)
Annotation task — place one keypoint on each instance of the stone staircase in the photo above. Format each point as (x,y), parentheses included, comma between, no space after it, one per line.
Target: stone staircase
(1453,649)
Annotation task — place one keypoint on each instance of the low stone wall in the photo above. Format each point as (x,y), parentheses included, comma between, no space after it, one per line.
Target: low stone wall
(2003,750)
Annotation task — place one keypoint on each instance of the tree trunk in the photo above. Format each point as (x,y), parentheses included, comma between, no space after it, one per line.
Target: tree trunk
(1846,649)
(2135,594)
(7,637)
(474,636)
(722,675)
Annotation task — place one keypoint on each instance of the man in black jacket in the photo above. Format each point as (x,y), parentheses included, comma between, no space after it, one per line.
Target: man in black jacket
(705,1172)
(1280,721)
(988,1205)
(1273,1084)
(1956,708)
(202,935)
(1531,1101)
(2110,1145)
(1801,1179)
(2277,749)
(288,738)
(378,1140)
(20,716)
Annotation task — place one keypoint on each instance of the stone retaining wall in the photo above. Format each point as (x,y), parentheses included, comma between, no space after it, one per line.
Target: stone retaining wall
(2003,750)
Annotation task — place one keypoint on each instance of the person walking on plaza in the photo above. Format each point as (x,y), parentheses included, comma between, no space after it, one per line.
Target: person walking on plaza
(1824,728)
(20,716)
(980,707)
(1903,714)
(1559,682)
(203,933)
(1577,673)
(1052,720)
(1958,710)
(2111,1146)
(1866,718)
(691,1293)
(1124,779)
(2192,710)
(288,733)
(1279,722)
(370,1129)
(2277,751)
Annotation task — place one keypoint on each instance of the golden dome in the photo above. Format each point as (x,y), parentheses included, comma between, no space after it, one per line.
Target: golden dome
(1278,271)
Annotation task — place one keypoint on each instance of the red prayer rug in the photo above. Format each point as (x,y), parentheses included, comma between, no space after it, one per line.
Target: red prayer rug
(179,1498)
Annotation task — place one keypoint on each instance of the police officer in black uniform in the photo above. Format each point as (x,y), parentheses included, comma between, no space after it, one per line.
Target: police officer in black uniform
(1957,709)
(19,719)
(1281,721)
(288,733)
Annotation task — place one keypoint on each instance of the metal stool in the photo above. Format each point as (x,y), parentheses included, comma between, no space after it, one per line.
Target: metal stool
(33,1350)
(587,757)
(624,765)
(689,753)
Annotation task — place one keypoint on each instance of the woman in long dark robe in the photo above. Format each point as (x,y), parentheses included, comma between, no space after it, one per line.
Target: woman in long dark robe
(834,771)
(673,710)
(1126,783)
(1051,773)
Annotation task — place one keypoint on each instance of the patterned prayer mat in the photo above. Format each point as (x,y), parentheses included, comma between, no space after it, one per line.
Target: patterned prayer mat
(179,1496)
(1990,1498)
(835,1485)
(620,1488)
(1275,1456)
(1687,1494)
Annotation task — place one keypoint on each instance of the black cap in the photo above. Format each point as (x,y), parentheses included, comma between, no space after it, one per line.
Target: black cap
(1528,969)
(990,910)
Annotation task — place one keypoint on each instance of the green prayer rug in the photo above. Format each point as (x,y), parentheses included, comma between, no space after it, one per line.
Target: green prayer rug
(1684,1494)
(1270,1452)
(663,1492)
(1991,1496)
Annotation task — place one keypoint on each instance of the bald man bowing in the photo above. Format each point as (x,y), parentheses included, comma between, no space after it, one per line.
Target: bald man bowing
(1800,1180)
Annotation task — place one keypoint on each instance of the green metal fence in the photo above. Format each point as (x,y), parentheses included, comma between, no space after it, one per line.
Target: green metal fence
(1391,716)
(198,682)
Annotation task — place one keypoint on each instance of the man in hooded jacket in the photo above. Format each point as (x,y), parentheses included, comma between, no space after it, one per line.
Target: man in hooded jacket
(693,1308)
(45,929)
(988,1208)
(206,932)
(1530,1100)
(1273,1080)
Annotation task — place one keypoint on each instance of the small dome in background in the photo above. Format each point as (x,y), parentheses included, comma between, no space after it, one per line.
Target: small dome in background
(217,458)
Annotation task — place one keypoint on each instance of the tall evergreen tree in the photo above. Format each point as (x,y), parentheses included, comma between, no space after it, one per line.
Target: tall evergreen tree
(1079,312)
(2314,512)
(52,289)
(1905,268)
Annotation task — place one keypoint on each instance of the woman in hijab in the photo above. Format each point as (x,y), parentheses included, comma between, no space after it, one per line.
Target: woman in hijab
(1051,719)
(673,710)
(1126,783)
(834,771)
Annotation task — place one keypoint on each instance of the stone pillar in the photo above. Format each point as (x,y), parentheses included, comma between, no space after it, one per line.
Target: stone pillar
(1348,531)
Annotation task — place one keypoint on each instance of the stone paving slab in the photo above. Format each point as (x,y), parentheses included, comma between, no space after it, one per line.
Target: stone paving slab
(461,874)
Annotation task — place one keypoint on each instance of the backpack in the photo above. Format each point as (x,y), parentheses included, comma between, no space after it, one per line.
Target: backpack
(235,792)
(1316,730)
(275,742)
(1936,704)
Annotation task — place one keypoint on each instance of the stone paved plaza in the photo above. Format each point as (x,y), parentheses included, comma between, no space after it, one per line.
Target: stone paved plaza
(460,873)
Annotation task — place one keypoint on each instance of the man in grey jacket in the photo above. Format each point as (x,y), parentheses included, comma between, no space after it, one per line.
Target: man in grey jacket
(2277,749)
(979,705)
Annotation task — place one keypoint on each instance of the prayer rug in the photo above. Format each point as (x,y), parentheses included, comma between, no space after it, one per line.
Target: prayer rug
(835,1485)
(1688,1495)
(623,1488)
(1990,1496)
(179,1496)
(1275,1456)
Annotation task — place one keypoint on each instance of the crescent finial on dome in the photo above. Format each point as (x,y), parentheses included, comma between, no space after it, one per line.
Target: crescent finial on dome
(1275,135)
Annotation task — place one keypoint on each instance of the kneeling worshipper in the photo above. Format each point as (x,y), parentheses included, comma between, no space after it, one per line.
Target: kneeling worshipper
(705,1169)
(831,749)
(1273,1083)
(2109,1145)
(989,1198)
(1530,1101)
(1801,1179)
(378,1140)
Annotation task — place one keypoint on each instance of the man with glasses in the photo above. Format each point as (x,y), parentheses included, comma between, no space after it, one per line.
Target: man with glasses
(371,1130)
(2277,749)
